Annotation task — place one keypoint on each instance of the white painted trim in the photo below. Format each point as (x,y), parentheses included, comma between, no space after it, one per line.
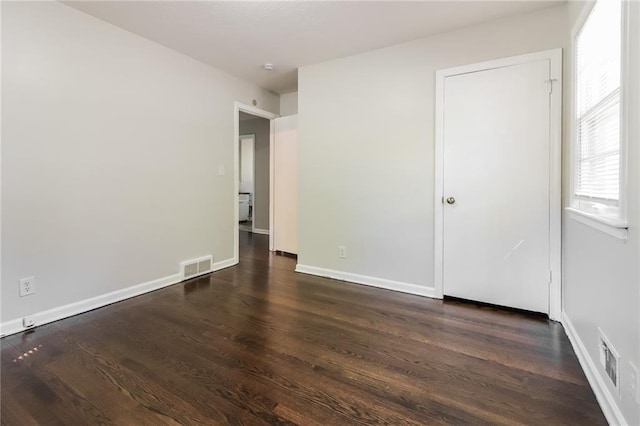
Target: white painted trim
(237,107)
(223,264)
(261,231)
(555,182)
(603,394)
(554,56)
(367,280)
(1,79)
(256,111)
(438,235)
(272,177)
(593,220)
(500,63)
(616,230)
(625,104)
(82,306)
(11,327)
(236,184)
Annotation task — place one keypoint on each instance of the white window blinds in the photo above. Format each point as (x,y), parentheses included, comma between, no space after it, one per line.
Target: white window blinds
(598,54)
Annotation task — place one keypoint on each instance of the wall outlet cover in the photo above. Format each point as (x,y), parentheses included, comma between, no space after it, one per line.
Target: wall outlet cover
(27,286)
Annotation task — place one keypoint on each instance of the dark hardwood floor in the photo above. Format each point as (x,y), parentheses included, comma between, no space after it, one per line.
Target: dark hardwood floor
(260,344)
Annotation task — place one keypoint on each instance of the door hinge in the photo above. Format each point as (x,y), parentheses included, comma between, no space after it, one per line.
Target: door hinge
(551,81)
(550,277)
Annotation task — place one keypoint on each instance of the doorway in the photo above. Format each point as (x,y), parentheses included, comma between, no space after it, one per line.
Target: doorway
(281,203)
(247,191)
(498,182)
(253,136)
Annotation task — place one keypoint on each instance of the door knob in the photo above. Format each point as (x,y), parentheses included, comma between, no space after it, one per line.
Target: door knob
(451,200)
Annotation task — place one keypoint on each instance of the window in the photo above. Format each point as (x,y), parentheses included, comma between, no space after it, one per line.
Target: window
(598,153)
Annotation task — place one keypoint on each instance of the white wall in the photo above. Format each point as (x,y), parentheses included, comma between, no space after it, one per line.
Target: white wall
(260,127)
(111,147)
(366,154)
(601,277)
(366,178)
(289,103)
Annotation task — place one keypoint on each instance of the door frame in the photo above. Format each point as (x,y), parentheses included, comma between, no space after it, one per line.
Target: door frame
(237,107)
(555,166)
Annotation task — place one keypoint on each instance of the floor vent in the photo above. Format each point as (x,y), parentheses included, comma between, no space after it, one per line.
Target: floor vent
(195,267)
(609,360)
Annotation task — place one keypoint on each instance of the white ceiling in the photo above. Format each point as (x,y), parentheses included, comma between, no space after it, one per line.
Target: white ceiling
(239,36)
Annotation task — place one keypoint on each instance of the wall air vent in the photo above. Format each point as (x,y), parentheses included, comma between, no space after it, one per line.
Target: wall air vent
(205,265)
(609,360)
(196,267)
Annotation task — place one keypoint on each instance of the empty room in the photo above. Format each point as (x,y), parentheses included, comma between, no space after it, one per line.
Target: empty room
(320,212)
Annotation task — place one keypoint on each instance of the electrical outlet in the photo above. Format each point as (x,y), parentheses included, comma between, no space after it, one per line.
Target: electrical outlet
(27,286)
(342,252)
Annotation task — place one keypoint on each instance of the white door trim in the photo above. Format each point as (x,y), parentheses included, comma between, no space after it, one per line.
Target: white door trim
(237,107)
(555,129)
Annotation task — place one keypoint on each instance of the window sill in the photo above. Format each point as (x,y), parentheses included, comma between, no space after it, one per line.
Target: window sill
(614,228)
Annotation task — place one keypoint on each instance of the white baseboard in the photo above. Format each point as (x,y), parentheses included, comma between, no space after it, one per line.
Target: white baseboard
(224,264)
(603,395)
(61,312)
(260,231)
(11,327)
(368,280)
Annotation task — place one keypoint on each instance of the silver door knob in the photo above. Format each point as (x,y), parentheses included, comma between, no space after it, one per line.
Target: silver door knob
(451,200)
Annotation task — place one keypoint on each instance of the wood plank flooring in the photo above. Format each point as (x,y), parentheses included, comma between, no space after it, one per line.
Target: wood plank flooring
(260,344)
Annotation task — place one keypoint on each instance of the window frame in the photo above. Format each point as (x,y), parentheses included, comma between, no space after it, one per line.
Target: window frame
(615,226)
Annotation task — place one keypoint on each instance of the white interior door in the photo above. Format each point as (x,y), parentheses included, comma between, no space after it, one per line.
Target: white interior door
(496,175)
(285,184)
